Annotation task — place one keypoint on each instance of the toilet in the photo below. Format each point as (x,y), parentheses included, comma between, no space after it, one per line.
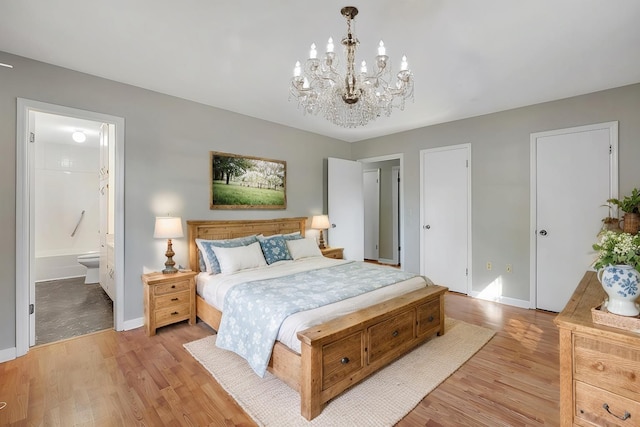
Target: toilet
(91,260)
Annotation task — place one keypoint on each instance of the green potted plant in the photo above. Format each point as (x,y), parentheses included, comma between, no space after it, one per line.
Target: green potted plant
(630,205)
(617,264)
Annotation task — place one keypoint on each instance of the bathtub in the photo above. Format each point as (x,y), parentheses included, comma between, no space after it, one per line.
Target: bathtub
(59,266)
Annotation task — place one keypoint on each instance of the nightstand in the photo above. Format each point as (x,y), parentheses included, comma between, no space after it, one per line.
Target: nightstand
(168,298)
(332,252)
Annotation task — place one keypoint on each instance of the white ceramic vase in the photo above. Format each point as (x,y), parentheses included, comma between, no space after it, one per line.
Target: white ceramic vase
(621,283)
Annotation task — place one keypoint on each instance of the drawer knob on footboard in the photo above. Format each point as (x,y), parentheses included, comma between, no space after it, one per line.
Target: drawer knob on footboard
(395,333)
(430,319)
(344,360)
(624,417)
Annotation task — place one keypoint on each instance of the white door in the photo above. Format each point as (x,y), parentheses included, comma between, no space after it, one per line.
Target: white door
(346,207)
(371,182)
(395,202)
(445,213)
(574,177)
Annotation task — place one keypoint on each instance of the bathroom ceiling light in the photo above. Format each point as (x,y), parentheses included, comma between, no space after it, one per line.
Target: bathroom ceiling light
(79,136)
(2,64)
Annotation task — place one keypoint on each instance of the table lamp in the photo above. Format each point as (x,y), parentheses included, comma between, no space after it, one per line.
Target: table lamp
(320,222)
(168,227)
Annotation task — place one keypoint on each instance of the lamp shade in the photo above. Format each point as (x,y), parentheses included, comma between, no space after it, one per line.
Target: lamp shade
(168,227)
(320,222)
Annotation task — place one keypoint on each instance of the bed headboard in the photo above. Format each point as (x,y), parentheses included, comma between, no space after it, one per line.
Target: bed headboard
(230,229)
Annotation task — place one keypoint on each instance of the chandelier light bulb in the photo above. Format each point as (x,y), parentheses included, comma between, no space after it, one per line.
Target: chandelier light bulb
(344,96)
(330,45)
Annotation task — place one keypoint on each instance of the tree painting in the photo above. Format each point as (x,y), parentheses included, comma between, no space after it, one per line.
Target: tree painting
(242,182)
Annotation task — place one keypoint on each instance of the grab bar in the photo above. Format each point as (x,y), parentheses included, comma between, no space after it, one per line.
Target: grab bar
(78,224)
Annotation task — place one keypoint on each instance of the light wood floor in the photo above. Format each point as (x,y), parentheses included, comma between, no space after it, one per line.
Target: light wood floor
(127,378)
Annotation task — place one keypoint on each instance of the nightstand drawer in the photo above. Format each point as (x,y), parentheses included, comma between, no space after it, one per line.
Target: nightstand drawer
(170,315)
(182,285)
(172,300)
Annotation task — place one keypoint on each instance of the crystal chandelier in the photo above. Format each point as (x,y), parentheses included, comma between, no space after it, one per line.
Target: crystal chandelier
(356,98)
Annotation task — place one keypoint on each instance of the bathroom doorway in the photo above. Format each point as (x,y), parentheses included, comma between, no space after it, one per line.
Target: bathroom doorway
(69,223)
(70,299)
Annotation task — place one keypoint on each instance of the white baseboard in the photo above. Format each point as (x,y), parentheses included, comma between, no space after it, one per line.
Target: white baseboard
(502,300)
(8,354)
(387,261)
(133,323)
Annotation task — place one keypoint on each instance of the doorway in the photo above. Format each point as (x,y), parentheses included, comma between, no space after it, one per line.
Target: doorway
(445,212)
(29,220)
(346,206)
(573,173)
(70,298)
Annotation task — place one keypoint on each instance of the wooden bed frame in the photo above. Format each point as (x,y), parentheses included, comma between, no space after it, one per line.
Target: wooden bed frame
(342,352)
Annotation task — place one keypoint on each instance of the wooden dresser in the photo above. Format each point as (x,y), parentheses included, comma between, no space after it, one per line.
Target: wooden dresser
(599,365)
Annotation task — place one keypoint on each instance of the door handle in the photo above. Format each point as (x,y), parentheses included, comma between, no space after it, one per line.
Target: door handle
(543,232)
(333,226)
(427,227)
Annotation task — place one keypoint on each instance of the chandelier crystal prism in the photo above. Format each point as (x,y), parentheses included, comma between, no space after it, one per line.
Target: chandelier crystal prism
(357,98)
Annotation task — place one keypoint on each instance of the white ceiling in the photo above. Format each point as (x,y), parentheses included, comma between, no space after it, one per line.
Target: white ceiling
(469,57)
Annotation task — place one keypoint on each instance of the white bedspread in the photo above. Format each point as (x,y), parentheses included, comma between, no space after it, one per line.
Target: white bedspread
(213,289)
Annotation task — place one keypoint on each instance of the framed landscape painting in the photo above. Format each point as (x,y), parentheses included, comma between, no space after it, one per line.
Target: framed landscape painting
(243,182)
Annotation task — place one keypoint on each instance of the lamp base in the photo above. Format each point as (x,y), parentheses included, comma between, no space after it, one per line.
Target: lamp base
(169,265)
(170,270)
(321,243)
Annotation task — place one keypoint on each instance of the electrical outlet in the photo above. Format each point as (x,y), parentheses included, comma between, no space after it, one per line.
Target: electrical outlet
(509,269)
(488,265)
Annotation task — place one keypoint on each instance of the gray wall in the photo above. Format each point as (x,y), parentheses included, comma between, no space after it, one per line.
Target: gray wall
(500,173)
(167,144)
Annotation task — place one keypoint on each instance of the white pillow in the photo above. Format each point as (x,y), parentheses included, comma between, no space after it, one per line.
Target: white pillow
(240,258)
(303,248)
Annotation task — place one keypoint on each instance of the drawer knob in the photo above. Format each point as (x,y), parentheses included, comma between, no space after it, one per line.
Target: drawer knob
(344,360)
(174,313)
(173,286)
(174,299)
(430,319)
(395,333)
(624,417)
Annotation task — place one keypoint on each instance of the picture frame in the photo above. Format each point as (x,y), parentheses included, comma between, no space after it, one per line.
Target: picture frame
(245,182)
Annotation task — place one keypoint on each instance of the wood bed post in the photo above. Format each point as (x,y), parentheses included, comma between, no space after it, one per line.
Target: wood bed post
(311,381)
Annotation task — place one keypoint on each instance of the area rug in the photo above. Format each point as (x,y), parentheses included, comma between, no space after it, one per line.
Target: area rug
(381,400)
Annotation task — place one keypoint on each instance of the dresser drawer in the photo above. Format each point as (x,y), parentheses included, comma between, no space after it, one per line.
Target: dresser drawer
(597,407)
(341,358)
(173,314)
(172,299)
(428,317)
(610,365)
(177,286)
(389,334)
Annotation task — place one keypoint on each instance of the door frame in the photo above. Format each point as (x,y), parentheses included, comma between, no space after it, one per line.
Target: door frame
(24,236)
(400,157)
(613,189)
(423,153)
